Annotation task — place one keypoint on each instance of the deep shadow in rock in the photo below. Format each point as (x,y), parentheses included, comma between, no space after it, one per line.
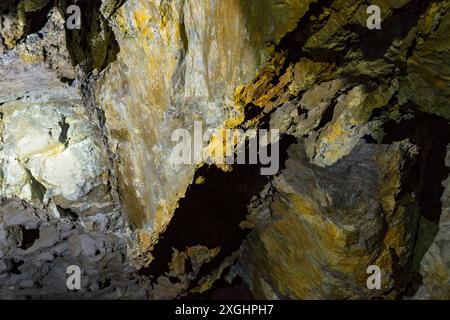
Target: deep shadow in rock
(210,215)
(222,290)
(432,135)
(94,46)
(29,236)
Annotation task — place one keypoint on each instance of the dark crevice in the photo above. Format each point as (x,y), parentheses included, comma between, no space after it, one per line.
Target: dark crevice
(34,21)
(15,266)
(210,215)
(369,139)
(425,176)
(406,283)
(38,190)
(64,130)
(174,280)
(67,213)
(293,42)
(94,46)
(290,47)
(37,20)
(29,236)
(400,277)
(104,284)
(327,116)
(8,7)
(184,37)
(373,44)
(222,290)
(67,81)
(261,181)
(252,112)
(117,5)
(432,135)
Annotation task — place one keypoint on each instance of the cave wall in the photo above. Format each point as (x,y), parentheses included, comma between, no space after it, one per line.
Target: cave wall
(86,123)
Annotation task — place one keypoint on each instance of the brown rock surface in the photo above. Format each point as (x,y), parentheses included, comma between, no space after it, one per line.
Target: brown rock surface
(87,173)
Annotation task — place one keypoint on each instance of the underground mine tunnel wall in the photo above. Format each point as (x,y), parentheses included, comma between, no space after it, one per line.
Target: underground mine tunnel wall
(400,139)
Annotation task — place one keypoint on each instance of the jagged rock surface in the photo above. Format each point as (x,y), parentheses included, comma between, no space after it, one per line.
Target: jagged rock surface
(435,264)
(56,208)
(86,171)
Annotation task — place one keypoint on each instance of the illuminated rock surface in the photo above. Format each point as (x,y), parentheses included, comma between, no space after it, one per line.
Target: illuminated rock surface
(86,123)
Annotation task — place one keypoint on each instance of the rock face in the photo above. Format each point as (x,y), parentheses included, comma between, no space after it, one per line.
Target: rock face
(56,208)
(335,226)
(87,174)
(51,151)
(434,265)
(188,57)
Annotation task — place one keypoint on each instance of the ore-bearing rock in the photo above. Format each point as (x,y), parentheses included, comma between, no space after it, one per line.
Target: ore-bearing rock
(86,123)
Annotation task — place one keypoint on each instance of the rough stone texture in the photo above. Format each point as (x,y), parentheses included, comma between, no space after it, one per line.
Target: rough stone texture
(180,62)
(56,208)
(86,176)
(435,264)
(37,247)
(51,152)
(336,221)
(49,45)
(426,83)
(349,90)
